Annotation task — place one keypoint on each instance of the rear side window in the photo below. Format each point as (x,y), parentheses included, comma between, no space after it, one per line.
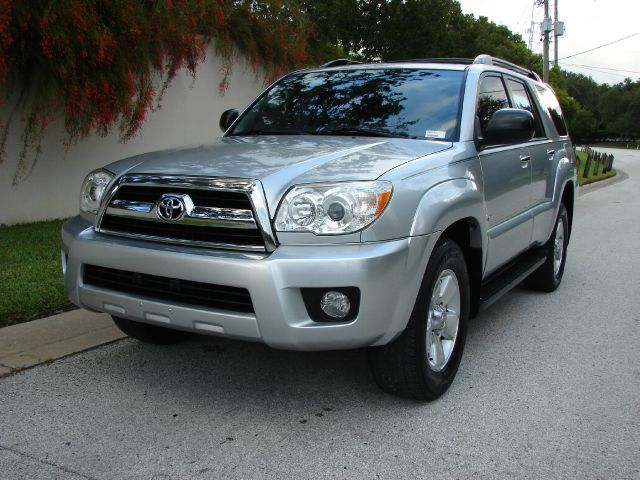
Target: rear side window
(552,107)
(520,99)
(492,96)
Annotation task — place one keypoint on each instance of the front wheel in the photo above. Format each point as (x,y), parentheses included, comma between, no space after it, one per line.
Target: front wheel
(422,362)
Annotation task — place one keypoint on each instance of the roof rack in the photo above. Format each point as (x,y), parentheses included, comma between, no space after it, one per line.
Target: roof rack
(489,60)
(339,62)
(483,59)
(464,61)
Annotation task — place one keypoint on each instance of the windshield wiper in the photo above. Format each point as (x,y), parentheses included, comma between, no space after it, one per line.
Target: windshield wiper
(365,132)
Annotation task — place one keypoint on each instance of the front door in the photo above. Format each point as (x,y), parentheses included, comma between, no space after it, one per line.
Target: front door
(507,183)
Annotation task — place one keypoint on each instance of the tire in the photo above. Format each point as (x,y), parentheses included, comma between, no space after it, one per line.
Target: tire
(413,366)
(548,276)
(150,333)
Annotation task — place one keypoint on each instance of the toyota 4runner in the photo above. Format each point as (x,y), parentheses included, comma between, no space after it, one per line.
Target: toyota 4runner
(353,205)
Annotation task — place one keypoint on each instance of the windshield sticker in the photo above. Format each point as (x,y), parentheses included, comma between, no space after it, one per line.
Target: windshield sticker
(435,134)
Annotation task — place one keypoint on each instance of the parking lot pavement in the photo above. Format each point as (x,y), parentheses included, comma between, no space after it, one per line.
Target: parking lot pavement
(549,387)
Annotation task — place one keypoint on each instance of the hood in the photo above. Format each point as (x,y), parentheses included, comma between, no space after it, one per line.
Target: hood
(282,161)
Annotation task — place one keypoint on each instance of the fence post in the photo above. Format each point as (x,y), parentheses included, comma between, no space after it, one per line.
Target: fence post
(587,165)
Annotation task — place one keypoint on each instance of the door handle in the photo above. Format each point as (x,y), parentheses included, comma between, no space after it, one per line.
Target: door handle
(524,160)
(550,153)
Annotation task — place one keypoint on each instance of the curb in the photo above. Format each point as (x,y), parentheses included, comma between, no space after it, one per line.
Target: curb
(607,182)
(32,343)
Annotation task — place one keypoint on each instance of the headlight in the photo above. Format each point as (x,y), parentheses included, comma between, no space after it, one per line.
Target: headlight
(93,189)
(332,209)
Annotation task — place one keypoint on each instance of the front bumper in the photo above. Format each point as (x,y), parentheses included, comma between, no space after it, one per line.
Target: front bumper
(388,275)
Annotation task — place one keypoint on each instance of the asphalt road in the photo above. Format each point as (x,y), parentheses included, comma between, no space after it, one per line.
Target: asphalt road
(549,387)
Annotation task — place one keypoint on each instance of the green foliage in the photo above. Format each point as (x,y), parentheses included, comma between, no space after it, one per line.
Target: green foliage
(584,89)
(30,278)
(405,29)
(598,111)
(580,121)
(620,109)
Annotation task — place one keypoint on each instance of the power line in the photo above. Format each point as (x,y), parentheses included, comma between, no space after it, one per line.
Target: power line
(601,46)
(595,69)
(523,18)
(600,68)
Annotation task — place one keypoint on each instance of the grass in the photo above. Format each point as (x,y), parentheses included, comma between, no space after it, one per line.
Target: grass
(30,274)
(629,145)
(590,178)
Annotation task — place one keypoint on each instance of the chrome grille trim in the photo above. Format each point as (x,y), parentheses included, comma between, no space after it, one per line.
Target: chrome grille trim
(182,181)
(201,216)
(213,216)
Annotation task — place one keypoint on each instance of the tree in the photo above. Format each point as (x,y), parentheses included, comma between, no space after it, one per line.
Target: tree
(406,29)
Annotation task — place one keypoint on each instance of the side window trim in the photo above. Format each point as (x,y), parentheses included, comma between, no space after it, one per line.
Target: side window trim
(500,76)
(532,102)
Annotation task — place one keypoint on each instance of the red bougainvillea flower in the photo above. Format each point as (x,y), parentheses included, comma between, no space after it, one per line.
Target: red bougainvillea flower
(104,64)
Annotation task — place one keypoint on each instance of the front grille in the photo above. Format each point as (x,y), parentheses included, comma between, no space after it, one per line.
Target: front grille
(212,212)
(166,289)
(191,233)
(202,198)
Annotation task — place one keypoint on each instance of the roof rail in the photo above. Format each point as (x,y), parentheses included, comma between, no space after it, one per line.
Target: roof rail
(483,59)
(480,59)
(498,62)
(464,61)
(339,62)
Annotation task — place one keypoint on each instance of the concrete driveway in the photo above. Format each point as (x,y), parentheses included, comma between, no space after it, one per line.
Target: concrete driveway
(549,387)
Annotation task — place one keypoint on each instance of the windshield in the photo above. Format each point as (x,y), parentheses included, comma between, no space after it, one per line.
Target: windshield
(411,103)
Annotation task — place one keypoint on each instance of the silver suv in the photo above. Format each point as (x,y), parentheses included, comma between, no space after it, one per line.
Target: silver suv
(353,205)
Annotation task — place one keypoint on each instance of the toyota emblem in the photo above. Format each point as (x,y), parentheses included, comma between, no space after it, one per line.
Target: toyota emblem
(170,207)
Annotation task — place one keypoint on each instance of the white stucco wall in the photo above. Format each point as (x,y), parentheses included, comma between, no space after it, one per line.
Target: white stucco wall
(189,116)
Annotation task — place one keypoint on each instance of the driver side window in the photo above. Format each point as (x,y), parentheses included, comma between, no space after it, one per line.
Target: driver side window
(492,96)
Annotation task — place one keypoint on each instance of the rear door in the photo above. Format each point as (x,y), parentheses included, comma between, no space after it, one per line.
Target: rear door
(557,147)
(540,147)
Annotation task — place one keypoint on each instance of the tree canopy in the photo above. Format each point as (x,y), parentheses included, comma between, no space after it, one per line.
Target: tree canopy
(405,29)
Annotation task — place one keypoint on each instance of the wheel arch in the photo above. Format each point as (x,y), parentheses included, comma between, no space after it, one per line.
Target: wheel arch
(568,198)
(467,234)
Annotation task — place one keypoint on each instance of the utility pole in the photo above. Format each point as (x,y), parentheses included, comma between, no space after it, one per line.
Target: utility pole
(556,34)
(532,28)
(545,27)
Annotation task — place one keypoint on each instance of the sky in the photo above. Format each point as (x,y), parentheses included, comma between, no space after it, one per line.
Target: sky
(588,23)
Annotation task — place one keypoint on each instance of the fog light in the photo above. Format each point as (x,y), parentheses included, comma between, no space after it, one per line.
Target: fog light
(335,304)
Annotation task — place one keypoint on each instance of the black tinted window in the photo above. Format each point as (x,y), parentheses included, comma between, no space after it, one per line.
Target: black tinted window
(492,96)
(520,99)
(551,105)
(397,102)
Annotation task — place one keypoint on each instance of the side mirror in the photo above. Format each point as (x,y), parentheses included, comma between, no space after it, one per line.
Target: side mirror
(227,118)
(509,125)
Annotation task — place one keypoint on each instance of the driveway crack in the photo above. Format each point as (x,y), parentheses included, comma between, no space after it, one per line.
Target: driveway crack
(45,462)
